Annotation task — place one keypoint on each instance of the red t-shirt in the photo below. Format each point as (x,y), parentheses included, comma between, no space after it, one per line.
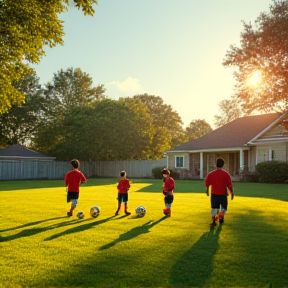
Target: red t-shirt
(73,179)
(169,185)
(123,186)
(220,180)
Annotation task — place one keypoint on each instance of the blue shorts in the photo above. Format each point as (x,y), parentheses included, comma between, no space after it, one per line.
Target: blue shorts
(123,197)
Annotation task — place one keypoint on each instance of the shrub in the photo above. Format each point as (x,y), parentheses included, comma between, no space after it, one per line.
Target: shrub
(252,177)
(273,172)
(156,172)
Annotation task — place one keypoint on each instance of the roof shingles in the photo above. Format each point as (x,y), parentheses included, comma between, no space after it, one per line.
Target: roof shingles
(234,134)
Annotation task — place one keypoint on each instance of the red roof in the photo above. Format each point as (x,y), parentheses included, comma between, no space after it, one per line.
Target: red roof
(235,134)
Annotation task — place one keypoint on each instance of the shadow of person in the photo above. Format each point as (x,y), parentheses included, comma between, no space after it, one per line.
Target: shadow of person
(33,231)
(79,228)
(32,223)
(133,233)
(199,260)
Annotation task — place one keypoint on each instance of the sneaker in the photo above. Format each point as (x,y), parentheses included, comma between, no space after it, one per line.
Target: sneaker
(221,220)
(127,213)
(116,213)
(213,223)
(69,214)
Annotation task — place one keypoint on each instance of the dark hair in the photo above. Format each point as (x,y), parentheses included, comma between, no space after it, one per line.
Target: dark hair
(123,174)
(219,163)
(75,163)
(165,171)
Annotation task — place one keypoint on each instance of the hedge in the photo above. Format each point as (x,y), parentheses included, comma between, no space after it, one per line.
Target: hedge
(273,172)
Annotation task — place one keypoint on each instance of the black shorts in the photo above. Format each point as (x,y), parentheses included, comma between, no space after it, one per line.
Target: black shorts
(72,195)
(169,199)
(123,197)
(217,200)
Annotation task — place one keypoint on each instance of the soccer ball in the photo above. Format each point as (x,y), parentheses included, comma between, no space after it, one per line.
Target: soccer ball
(95,211)
(80,215)
(141,211)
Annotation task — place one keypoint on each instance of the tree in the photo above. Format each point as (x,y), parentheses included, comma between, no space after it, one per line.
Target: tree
(21,123)
(167,124)
(197,128)
(105,130)
(26,27)
(229,111)
(262,61)
(71,88)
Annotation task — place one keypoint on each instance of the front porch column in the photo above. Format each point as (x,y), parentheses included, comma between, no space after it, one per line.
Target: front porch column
(241,160)
(201,165)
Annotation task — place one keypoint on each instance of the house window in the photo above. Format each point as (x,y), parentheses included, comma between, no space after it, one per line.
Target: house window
(179,161)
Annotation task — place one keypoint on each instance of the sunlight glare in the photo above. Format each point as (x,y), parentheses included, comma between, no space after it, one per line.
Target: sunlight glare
(254,79)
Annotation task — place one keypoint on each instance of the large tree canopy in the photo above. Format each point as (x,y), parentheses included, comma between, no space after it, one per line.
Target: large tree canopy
(106,130)
(167,124)
(21,123)
(26,27)
(70,88)
(262,61)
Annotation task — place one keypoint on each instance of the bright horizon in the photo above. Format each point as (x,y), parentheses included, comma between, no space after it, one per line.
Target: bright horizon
(172,49)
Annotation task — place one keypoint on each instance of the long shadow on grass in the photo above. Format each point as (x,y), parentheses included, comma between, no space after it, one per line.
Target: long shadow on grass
(133,233)
(33,231)
(181,186)
(194,268)
(32,223)
(79,228)
(261,254)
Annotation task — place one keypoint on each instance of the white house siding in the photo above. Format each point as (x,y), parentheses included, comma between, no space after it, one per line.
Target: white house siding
(276,152)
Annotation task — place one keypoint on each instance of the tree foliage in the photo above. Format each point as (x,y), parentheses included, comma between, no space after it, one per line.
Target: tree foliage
(26,27)
(105,130)
(229,110)
(21,123)
(197,128)
(167,124)
(263,52)
(71,88)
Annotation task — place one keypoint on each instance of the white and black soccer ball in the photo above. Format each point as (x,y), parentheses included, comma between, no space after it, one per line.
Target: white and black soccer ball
(80,215)
(140,211)
(95,211)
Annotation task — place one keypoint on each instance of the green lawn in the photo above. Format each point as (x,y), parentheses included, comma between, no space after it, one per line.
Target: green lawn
(41,247)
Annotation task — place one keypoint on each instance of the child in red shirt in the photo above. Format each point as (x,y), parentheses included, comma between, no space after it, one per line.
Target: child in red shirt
(168,191)
(73,179)
(123,187)
(218,181)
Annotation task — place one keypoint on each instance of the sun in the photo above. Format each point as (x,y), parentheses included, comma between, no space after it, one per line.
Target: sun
(254,79)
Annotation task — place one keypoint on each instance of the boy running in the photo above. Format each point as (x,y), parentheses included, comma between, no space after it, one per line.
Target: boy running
(73,179)
(219,180)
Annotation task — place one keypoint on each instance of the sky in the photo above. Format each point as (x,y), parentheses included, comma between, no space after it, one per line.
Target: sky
(168,48)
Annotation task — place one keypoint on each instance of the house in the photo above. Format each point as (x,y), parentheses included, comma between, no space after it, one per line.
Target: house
(19,152)
(242,143)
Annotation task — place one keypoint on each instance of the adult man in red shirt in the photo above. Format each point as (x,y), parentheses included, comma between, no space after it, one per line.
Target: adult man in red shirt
(73,179)
(217,182)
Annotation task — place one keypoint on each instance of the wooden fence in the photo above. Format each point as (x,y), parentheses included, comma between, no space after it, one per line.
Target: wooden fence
(29,170)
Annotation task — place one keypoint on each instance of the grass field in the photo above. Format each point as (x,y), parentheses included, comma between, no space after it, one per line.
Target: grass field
(41,247)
